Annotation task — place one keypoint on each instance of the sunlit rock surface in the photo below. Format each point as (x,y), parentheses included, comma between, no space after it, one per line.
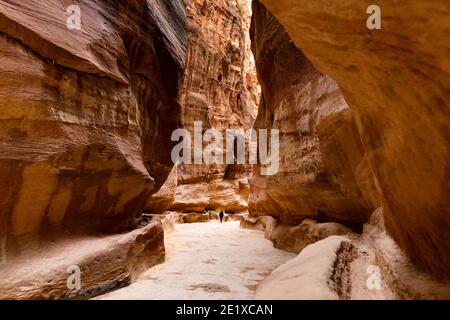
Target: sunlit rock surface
(396,81)
(367,266)
(104,264)
(220,90)
(85,115)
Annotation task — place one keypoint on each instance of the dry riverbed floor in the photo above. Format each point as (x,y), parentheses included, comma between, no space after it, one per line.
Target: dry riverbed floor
(207,261)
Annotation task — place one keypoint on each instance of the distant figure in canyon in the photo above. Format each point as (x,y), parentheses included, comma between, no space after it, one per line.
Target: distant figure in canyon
(221,215)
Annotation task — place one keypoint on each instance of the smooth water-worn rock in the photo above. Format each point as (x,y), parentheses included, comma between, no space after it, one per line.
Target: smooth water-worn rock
(104,264)
(159,202)
(323,173)
(309,276)
(86,176)
(85,115)
(367,266)
(397,83)
(293,238)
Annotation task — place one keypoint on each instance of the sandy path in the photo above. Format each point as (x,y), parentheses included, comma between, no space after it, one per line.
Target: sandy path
(207,261)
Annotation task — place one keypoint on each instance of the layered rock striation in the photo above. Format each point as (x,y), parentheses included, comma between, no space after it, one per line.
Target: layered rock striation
(86,114)
(324,173)
(396,81)
(350,266)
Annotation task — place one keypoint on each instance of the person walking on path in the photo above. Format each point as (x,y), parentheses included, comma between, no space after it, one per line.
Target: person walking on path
(221,215)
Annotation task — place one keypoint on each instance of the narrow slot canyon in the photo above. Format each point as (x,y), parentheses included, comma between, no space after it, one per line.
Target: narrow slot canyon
(224,150)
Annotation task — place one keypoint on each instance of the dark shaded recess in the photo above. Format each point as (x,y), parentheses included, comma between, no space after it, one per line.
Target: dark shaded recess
(156,61)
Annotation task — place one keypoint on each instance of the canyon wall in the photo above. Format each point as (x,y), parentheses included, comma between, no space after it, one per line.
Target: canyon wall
(324,174)
(86,115)
(220,90)
(397,83)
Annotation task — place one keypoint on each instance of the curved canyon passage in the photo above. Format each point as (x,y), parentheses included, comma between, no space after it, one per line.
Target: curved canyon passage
(99,200)
(207,261)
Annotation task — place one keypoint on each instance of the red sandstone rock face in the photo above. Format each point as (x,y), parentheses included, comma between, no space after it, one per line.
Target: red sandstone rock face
(85,115)
(396,82)
(106,263)
(220,90)
(322,161)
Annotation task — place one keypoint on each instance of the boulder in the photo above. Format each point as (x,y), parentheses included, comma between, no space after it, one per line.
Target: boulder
(221,91)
